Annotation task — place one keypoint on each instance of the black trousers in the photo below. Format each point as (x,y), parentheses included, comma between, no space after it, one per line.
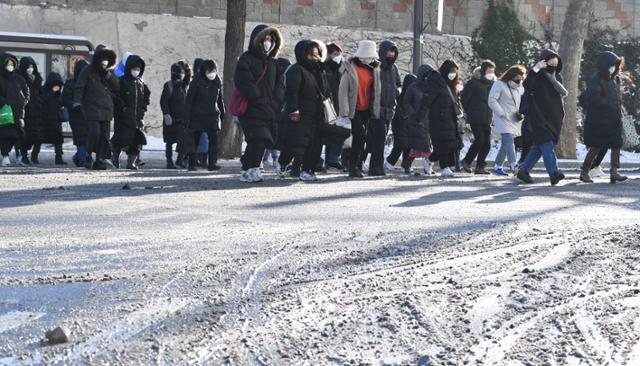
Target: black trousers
(313,152)
(395,155)
(481,145)
(98,138)
(253,154)
(375,143)
(359,127)
(212,151)
(5,147)
(446,160)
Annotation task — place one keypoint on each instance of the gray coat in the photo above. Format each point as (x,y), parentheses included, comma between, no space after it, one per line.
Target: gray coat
(390,82)
(348,92)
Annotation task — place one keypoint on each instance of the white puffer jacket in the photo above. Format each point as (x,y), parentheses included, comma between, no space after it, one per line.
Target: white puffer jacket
(504,101)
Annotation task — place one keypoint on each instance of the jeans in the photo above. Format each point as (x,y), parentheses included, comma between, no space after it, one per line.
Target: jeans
(547,152)
(481,145)
(81,153)
(507,149)
(212,148)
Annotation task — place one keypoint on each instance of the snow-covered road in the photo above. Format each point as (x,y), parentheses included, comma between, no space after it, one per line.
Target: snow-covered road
(200,269)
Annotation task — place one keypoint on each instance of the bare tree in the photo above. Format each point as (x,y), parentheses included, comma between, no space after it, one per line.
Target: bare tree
(574,32)
(231,136)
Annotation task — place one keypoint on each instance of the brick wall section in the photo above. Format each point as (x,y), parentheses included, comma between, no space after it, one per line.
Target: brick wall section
(461,16)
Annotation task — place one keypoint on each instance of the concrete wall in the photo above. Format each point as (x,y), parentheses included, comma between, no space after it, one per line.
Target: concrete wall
(461,16)
(164,39)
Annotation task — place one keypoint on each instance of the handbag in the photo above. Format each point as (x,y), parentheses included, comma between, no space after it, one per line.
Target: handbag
(6,116)
(330,115)
(629,133)
(239,104)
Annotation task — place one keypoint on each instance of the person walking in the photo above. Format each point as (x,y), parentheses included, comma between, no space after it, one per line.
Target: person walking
(504,101)
(603,123)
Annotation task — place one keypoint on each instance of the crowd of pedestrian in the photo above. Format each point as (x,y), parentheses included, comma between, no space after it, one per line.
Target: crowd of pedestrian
(290,113)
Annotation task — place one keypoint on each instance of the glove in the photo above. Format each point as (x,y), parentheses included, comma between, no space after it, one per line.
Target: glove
(168,121)
(343,122)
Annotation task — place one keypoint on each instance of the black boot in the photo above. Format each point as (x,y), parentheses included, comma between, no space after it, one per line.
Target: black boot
(34,154)
(115,157)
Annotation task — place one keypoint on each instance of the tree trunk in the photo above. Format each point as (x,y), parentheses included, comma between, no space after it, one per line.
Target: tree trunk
(574,32)
(231,136)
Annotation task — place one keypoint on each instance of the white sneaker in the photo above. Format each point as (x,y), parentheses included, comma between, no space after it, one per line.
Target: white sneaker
(447,173)
(596,172)
(244,177)
(255,175)
(307,177)
(388,166)
(428,167)
(365,167)
(5,161)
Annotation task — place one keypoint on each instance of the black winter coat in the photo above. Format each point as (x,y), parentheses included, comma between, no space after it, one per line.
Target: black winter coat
(602,102)
(131,106)
(15,93)
(400,122)
(415,108)
(172,102)
(258,121)
(51,106)
(204,107)
(545,105)
(96,88)
(306,87)
(475,99)
(76,118)
(33,110)
(389,81)
(443,122)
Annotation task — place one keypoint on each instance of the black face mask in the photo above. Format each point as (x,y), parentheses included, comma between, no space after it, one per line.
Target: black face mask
(390,60)
(552,68)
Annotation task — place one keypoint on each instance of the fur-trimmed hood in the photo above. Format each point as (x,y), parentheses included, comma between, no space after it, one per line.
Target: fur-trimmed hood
(257,37)
(101,55)
(4,58)
(134,61)
(303,46)
(24,65)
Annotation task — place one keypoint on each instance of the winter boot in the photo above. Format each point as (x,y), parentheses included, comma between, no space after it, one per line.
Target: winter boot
(115,157)
(34,154)
(615,165)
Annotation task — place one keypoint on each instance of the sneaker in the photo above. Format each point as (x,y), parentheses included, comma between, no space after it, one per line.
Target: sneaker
(307,177)
(447,173)
(244,177)
(556,178)
(5,161)
(365,167)
(524,176)
(388,166)
(255,175)
(597,172)
(277,167)
(499,171)
(466,166)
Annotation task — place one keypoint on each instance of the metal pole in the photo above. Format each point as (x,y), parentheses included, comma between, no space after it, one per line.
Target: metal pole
(418,16)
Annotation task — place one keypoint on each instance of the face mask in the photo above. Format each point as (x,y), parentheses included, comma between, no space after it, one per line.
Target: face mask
(10,68)
(30,71)
(452,76)
(105,64)
(135,73)
(337,59)
(459,88)
(612,70)
(514,84)
(367,60)
(267,46)
(390,60)
(211,76)
(490,77)
(181,76)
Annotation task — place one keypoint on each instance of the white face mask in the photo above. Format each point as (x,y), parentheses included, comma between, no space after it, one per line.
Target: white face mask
(513,84)
(612,70)
(452,76)
(367,60)
(181,76)
(267,46)
(211,76)
(105,63)
(135,73)
(30,70)
(337,59)
(10,68)
(490,77)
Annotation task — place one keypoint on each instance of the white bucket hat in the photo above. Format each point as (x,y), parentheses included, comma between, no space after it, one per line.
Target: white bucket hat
(366,49)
